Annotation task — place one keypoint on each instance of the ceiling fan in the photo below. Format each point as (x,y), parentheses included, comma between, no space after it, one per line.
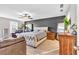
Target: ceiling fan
(25,15)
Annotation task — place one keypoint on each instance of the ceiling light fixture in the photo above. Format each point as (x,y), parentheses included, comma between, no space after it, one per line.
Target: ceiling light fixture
(25,15)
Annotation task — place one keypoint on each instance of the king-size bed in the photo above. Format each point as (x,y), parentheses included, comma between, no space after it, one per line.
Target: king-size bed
(35,37)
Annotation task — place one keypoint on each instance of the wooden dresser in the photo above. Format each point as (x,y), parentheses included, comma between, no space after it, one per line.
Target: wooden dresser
(67,42)
(51,35)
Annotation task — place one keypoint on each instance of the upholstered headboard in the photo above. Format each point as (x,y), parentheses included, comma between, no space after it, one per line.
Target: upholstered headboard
(41,28)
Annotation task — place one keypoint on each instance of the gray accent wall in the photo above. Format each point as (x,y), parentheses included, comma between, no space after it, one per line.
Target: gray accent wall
(51,22)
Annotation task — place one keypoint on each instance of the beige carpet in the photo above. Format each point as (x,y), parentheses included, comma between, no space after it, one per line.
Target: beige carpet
(48,47)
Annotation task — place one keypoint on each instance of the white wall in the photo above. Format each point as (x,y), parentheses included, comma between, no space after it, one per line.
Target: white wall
(73,13)
(77,25)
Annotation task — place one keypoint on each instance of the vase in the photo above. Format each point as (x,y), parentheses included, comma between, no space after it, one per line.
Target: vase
(67,29)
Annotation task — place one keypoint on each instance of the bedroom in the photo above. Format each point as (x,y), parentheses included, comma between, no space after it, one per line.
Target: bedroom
(38,24)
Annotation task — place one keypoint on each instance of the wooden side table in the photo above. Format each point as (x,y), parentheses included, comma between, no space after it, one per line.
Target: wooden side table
(51,35)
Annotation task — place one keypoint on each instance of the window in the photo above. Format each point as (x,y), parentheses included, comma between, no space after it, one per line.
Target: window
(13,26)
(29,27)
(60,27)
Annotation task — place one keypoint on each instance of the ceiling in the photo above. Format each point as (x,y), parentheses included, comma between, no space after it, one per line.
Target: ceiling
(38,11)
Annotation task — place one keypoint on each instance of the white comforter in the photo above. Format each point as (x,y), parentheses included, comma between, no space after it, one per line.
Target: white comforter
(33,37)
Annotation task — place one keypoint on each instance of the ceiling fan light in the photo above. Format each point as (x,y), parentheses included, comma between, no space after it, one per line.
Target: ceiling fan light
(25,15)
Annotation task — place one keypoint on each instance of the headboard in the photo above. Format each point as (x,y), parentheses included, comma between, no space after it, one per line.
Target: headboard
(41,28)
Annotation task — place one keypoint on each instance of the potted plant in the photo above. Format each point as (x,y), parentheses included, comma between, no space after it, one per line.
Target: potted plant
(67,23)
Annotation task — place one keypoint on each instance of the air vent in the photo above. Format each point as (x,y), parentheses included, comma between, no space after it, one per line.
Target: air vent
(61,7)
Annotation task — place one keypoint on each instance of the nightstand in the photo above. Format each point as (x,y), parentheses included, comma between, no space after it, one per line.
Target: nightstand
(51,35)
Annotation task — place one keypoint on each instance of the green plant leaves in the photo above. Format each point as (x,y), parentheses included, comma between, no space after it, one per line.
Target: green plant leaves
(67,21)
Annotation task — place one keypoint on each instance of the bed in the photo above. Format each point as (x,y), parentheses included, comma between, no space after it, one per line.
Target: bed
(36,37)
